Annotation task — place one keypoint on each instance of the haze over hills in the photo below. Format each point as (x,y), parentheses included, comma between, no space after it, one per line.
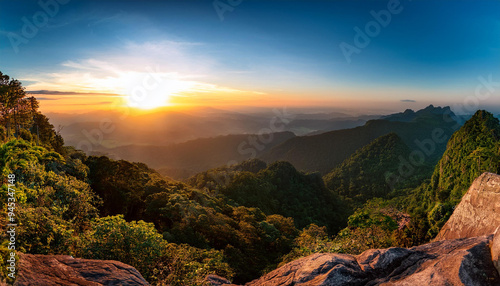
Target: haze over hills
(164,127)
(181,144)
(183,160)
(315,152)
(157,128)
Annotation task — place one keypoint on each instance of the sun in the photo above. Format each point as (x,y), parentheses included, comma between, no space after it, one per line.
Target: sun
(148,100)
(155,95)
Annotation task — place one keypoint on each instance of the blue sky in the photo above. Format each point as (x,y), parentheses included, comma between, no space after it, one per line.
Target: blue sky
(262,52)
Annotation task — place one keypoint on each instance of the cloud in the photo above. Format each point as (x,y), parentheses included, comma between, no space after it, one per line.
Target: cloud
(47,98)
(94,103)
(408,100)
(50,92)
(161,70)
(55,92)
(4,33)
(108,19)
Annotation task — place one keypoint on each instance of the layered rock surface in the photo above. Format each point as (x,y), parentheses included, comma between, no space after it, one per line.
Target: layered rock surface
(478,213)
(66,270)
(449,262)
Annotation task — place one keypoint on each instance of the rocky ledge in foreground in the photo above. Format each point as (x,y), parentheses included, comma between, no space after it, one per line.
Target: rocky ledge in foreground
(450,262)
(66,270)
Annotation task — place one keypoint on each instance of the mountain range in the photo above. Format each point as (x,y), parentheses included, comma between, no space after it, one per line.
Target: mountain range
(317,151)
(326,151)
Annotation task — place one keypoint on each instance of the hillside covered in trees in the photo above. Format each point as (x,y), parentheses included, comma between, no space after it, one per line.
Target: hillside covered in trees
(277,189)
(472,150)
(363,175)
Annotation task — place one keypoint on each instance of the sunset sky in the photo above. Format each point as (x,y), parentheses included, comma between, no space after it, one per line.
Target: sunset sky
(110,54)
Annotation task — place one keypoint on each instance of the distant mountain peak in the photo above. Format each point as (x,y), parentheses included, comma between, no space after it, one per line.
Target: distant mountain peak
(410,115)
(485,119)
(483,114)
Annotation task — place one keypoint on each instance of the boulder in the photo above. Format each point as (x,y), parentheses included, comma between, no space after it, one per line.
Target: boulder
(478,213)
(37,269)
(443,263)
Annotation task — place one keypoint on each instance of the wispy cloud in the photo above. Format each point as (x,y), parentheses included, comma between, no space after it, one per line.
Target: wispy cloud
(107,19)
(170,66)
(4,33)
(72,93)
(47,98)
(94,103)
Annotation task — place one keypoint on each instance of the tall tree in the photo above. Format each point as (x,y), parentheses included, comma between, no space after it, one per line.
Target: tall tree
(11,101)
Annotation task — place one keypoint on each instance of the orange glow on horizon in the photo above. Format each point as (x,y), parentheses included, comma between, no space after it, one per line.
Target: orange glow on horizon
(227,99)
(183,101)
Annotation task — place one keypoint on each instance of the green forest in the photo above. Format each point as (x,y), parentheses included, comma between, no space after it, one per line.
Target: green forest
(238,222)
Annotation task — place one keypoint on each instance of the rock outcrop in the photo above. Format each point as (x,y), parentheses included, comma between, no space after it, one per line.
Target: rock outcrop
(478,212)
(66,270)
(449,262)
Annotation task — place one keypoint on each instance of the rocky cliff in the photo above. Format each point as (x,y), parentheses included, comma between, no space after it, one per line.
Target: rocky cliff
(478,212)
(66,270)
(466,252)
